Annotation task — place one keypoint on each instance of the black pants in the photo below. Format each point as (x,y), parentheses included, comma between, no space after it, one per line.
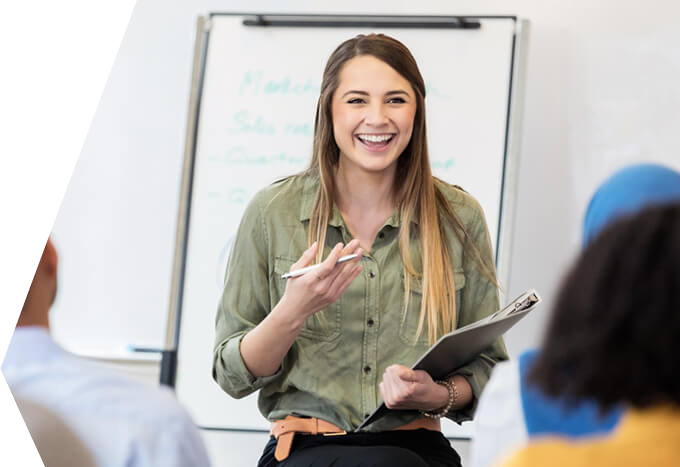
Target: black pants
(407,448)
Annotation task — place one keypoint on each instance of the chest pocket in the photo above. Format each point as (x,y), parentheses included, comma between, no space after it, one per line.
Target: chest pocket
(411,315)
(323,325)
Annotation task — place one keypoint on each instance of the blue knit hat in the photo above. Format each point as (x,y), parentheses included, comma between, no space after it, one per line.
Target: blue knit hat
(627,191)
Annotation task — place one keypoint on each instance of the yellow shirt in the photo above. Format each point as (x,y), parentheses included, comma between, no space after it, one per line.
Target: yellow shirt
(648,438)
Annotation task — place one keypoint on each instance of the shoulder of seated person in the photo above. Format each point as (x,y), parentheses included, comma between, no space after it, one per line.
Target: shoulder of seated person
(123,390)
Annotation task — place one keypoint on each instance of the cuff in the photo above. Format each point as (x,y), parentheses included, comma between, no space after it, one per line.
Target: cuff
(232,374)
(476,375)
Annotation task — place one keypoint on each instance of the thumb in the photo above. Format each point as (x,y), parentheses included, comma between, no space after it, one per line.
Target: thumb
(407,374)
(422,376)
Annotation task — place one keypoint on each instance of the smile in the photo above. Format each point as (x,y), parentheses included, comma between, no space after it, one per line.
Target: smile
(375,141)
(371,138)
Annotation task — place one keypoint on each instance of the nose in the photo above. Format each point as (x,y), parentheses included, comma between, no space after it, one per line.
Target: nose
(375,114)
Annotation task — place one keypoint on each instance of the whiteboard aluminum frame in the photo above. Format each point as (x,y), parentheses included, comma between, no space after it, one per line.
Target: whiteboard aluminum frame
(510,182)
(509,179)
(169,359)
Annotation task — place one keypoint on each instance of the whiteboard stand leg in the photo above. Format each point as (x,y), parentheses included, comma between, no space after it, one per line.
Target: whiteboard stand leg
(168,367)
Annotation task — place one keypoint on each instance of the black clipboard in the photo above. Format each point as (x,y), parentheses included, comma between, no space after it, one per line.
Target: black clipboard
(458,347)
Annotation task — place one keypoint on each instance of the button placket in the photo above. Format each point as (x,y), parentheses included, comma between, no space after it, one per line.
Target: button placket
(369,358)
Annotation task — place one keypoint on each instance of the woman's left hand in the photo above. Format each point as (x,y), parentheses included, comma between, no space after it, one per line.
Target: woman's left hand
(404,388)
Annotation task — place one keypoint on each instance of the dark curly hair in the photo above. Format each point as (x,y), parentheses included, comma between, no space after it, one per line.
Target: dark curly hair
(615,328)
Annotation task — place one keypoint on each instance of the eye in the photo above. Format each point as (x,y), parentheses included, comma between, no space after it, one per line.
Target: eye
(355,100)
(396,100)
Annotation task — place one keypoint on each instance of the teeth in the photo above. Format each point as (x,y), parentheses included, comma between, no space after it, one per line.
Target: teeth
(375,138)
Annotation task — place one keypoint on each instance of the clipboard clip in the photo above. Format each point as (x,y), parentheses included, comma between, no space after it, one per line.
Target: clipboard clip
(519,305)
(528,302)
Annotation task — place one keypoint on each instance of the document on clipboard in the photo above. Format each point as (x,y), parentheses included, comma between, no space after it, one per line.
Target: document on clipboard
(459,347)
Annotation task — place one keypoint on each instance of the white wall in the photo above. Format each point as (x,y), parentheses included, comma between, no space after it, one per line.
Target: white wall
(601,92)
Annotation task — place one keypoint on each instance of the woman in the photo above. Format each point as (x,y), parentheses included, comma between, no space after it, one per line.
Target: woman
(325,348)
(512,410)
(612,338)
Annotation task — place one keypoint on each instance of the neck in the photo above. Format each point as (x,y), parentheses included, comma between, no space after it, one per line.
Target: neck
(358,190)
(30,321)
(35,313)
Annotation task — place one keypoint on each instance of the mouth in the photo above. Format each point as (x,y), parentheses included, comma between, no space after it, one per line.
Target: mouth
(375,142)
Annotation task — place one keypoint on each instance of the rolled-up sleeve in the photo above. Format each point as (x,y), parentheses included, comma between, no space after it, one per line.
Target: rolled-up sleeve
(245,302)
(479,299)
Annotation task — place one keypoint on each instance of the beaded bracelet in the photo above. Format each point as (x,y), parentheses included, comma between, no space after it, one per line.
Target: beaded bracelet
(453,397)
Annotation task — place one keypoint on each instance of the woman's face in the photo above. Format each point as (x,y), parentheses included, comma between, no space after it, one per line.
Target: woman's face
(373,111)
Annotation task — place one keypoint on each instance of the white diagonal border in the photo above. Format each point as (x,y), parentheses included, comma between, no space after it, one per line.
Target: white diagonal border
(56,58)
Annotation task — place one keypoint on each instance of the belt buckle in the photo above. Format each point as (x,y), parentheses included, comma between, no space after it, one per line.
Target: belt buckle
(337,433)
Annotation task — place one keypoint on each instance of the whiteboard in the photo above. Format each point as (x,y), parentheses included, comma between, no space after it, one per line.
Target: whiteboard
(255,92)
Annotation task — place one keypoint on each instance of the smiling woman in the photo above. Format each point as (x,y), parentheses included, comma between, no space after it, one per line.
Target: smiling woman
(326,346)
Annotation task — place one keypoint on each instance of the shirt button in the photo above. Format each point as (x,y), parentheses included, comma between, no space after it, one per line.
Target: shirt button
(370,322)
(371,274)
(367,369)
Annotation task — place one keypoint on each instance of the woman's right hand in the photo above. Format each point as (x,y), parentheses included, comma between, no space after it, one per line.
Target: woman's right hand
(317,289)
(265,346)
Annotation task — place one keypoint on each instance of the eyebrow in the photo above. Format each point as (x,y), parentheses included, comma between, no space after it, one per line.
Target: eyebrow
(364,93)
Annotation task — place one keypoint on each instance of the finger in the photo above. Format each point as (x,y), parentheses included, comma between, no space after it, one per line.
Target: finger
(394,370)
(402,392)
(344,280)
(386,396)
(395,390)
(345,269)
(351,247)
(349,265)
(327,266)
(387,393)
(340,273)
(393,374)
(306,258)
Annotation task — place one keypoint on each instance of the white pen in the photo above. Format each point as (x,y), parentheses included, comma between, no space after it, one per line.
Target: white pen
(299,272)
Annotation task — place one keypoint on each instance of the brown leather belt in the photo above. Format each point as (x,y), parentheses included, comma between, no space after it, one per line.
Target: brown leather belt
(284,430)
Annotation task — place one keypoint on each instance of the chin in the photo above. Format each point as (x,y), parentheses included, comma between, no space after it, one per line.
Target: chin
(370,163)
(377,168)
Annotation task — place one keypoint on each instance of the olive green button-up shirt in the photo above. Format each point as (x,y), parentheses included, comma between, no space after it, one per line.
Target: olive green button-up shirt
(333,369)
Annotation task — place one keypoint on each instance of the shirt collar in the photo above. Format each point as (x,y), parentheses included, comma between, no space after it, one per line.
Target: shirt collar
(31,343)
(309,189)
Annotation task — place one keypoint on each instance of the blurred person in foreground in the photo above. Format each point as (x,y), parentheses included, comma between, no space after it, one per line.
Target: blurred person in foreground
(120,421)
(513,411)
(57,444)
(613,339)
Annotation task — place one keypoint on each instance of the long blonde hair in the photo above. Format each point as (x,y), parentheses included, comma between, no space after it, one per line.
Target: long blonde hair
(416,194)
